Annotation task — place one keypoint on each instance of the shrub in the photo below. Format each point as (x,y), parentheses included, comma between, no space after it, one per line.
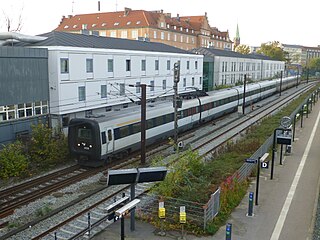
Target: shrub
(45,148)
(13,162)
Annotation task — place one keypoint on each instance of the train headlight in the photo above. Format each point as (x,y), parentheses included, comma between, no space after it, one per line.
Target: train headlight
(90,146)
(78,144)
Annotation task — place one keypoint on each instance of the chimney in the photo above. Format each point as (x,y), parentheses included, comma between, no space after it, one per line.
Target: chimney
(126,11)
(98,6)
(178,17)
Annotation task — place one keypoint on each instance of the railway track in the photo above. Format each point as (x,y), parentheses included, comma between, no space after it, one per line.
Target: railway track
(194,143)
(22,194)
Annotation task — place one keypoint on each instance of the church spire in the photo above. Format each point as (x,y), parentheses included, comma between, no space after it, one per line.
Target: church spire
(237,38)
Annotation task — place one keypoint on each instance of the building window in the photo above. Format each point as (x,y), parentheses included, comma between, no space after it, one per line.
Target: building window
(124,34)
(137,87)
(128,65)
(162,35)
(134,34)
(64,65)
(154,34)
(122,89)
(181,38)
(103,91)
(113,34)
(152,86)
(82,93)
(184,82)
(143,65)
(175,38)
(89,65)
(188,65)
(162,24)
(192,81)
(164,84)
(196,64)
(110,65)
(200,80)
(168,65)
(156,65)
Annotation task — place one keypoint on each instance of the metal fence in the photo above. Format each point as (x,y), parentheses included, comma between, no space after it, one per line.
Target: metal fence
(149,209)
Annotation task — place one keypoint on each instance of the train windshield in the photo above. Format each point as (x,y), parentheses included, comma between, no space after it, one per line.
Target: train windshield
(84,133)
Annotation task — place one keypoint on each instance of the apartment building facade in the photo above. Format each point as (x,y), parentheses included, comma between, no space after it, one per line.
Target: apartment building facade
(185,32)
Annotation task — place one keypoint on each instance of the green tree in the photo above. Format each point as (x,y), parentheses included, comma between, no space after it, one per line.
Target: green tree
(314,64)
(47,148)
(244,49)
(274,51)
(13,161)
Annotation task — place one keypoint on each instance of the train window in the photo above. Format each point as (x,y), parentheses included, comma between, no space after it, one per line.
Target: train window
(116,134)
(84,133)
(124,131)
(103,138)
(136,128)
(150,123)
(169,118)
(159,121)
(185,113)
(109,135)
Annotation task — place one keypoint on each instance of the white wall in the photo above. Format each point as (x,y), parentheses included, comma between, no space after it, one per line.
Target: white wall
(64,93)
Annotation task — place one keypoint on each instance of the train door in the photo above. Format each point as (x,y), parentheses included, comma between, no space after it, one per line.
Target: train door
(110,140)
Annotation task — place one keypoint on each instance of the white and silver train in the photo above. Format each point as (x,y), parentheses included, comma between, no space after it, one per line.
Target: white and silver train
(95,140)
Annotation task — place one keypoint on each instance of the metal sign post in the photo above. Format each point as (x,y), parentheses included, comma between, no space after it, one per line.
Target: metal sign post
(285,123)
(228,231)
(264,164)
(250,207)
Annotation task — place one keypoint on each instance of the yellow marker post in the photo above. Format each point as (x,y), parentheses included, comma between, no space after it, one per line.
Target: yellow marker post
(162,216)
(183,217)
(162,212)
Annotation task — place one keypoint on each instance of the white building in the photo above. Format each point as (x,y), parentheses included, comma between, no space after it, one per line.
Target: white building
(229,68)
(91,75)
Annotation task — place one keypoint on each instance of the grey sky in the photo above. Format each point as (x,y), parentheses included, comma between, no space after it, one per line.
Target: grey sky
(290,22)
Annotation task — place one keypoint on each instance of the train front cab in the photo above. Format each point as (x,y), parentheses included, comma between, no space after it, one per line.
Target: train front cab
(84,141)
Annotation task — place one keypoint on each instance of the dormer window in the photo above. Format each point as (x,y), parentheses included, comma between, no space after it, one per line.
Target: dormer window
(162,24)
(138,22)
(181,28)
(104,24)
(75,26)
(192,31)
(93,25)
(168,25)
(187,29)
(84,26)
(66,26)
(174,27)
(116,24)
(128,23)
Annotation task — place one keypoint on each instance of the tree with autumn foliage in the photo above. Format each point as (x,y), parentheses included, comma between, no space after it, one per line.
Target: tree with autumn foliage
(243,49)
(274,51)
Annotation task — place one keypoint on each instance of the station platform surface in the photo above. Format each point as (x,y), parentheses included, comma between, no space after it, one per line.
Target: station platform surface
(286,204)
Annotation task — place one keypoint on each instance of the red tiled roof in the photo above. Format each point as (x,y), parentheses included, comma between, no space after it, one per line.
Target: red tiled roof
(117,20)
(107,20)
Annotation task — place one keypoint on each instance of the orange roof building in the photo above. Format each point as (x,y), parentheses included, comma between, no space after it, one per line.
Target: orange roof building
(155,26)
